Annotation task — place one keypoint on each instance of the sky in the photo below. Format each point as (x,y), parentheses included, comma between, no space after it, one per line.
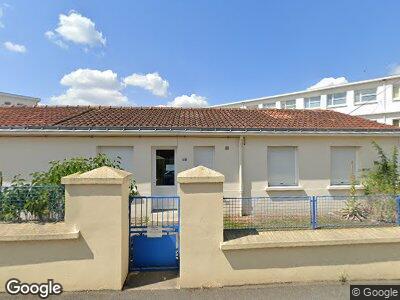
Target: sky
(191,53)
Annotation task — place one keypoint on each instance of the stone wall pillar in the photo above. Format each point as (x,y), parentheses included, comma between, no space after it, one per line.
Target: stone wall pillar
(96,202)
(201,226)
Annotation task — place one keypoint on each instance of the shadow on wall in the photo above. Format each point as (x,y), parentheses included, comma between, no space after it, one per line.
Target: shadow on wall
(312,256)
(43,252)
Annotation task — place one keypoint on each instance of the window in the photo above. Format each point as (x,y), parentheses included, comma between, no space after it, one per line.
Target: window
(343,165)
(282,166)
(367,95)
(269,105)
(396,92)
(396,122)
(165,167)
(7,103)
(204,156)
(336,99)
(312,102)
(289,104)
(122,154)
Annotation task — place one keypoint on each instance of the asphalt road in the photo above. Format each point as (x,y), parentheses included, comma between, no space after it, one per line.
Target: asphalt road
(323,290)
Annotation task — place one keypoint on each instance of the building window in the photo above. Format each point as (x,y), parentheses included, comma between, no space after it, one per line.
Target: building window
(282,166)
(343,165)
(7,103)
(165,167)
(289,104)
(204,156)
(396,92)
(269,105)
(367,95)
(336,99)
(396,122)
(312,102)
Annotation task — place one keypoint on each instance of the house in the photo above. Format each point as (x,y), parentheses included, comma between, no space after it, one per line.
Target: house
(261,152)
(375,99)
(7,99)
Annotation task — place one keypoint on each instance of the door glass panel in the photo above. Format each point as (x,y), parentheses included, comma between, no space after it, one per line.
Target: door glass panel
(165,167)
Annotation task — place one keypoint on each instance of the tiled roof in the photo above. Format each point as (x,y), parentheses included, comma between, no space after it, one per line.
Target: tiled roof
(181,118)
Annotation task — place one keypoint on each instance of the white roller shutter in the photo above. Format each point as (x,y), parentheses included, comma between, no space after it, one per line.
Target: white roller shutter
(125,155)
(343,165)
(281,166)
(204,156)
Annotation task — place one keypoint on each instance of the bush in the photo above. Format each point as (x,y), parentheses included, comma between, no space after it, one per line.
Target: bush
(383,178)
(59,169)
(43,198)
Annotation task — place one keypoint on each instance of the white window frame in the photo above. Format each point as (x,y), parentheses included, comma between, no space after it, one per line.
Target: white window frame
(285,105)
(356,164)
(309,102)
(396,86)
(269,105)
(334,97)
(364,93)
(296,167)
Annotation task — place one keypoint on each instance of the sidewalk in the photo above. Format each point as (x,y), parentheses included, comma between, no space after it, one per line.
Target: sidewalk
(322,290)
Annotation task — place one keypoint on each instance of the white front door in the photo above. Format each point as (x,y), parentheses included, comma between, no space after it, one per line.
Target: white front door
(163,172)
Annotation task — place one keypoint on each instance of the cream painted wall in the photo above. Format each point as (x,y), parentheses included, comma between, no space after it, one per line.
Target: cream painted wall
(24,155)
(204,264)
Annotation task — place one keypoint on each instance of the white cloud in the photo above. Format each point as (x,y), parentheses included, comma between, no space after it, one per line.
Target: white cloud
(51,36)
(328,81)
(1,16)
(189,101)
(14,47)
(152,82)
(394,69)
(91,87)
(77,29)
(3,7)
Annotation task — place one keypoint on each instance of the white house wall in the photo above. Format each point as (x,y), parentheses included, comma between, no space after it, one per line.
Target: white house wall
(24,155)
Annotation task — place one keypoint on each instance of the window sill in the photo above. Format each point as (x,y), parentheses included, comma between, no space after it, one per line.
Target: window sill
(336,106)
(343,187)
(366,102)
(284,188)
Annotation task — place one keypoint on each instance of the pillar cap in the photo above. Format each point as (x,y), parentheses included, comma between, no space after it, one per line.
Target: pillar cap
(102,175)
(200,174)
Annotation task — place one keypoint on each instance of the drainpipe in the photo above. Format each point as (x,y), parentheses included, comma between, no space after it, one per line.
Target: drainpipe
(241,142)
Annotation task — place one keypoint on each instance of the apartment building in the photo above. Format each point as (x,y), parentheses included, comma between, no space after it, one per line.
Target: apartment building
(375,99)
(7,99)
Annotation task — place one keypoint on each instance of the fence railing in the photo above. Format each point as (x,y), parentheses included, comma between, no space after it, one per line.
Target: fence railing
(32,203)
(154,211)
(279,213)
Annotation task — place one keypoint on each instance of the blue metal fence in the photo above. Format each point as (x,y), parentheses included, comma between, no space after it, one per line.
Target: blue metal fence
(154,211)
(154,233)
(279,213)
(32,203)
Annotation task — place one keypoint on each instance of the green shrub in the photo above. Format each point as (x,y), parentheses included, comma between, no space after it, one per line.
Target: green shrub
(59,169)
(383,177)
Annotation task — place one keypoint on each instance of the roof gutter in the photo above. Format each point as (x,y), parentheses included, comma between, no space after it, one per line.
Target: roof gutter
(184,132)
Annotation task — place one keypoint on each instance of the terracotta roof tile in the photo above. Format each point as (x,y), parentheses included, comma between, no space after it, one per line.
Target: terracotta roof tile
(180,118)
(36,116)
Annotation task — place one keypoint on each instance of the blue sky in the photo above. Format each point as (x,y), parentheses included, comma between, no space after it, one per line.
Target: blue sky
(211,51)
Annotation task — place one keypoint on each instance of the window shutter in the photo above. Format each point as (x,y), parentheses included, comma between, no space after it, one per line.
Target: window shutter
(281,166)
(343,164)
(204,156)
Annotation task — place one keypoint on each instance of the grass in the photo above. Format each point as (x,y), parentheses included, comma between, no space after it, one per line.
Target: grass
(297,222)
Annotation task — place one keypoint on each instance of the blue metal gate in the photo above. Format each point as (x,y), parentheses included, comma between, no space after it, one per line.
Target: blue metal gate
(154,233)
